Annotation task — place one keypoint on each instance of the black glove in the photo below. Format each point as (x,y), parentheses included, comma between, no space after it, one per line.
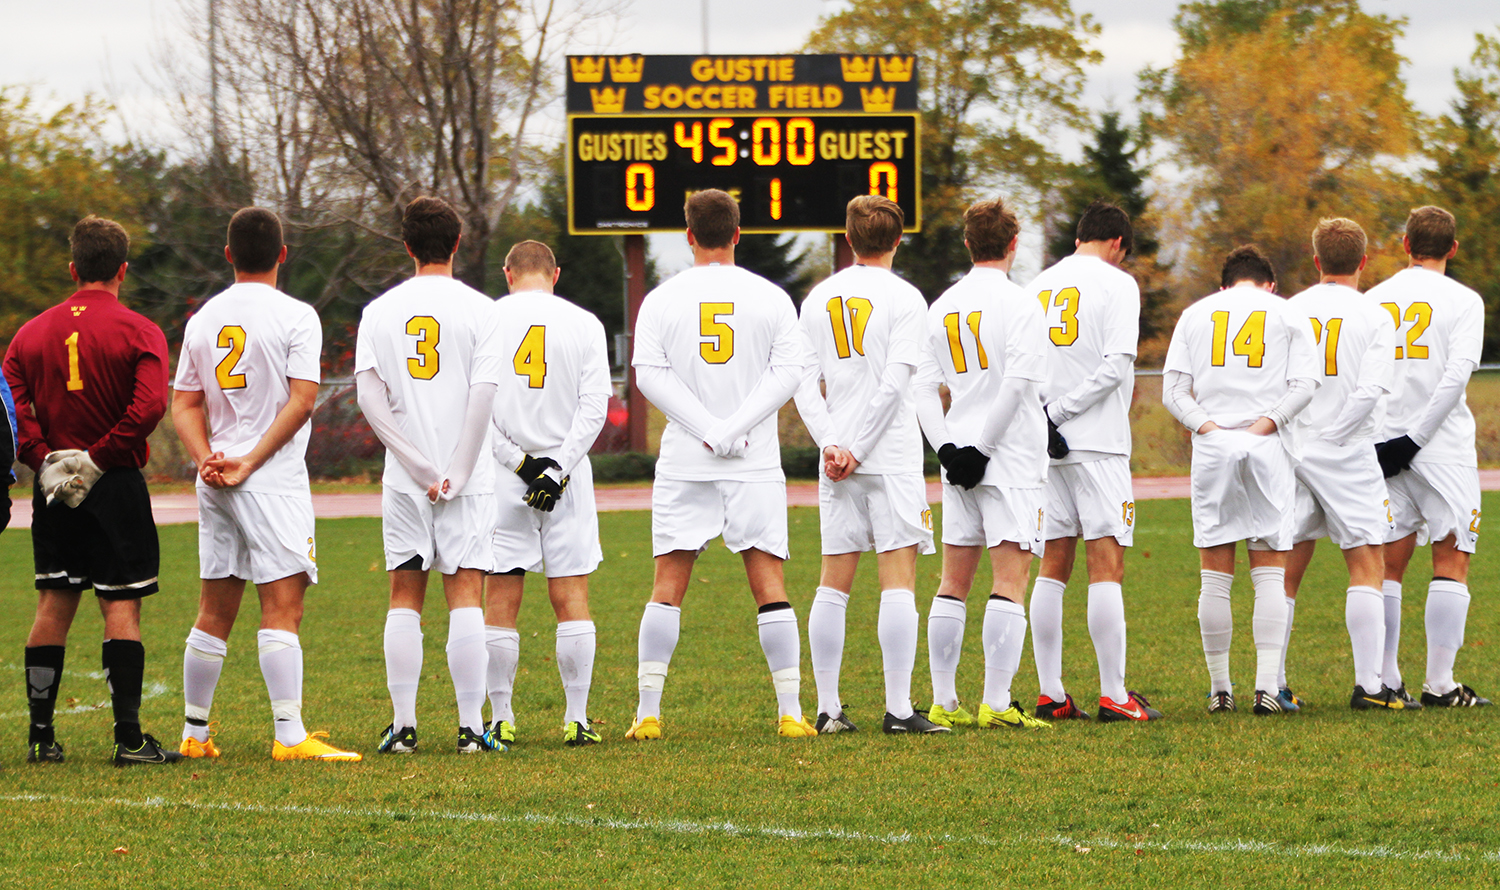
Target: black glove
(968,466)
(945,455)
(1057,446)
(544,491)
(1396,455)
(532,467)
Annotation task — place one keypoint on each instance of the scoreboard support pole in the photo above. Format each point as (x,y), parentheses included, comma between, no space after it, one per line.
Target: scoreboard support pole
(843,254)
(635,291)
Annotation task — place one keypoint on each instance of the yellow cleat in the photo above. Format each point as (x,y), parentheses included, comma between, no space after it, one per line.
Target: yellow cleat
(313,748)
(1010,718)
(644,728)
(954,718)
(795,728)
(193,748)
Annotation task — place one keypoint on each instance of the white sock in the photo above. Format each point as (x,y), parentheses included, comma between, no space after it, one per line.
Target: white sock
(1268,624)
(1004,637)
(825,643)
(1216,625)
(897,630)
(281,666)
(1364,615)
(1390,671)
(1447,612)
(403,663)
(783,648)
(468,662)
(503,645)
(660,625)
(1046,636)
(1291,613)
(575,665)
(1107,629)
(202,662)
(945,640)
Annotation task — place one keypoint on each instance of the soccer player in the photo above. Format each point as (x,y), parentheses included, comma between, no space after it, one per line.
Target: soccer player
(867,327)
(1340,491)
(985,341)
(547,414)
(718,351)
(1428,453)
(247,379)
(1093,311)
(7,446)
(426,365)
(90,383)
(1240,366)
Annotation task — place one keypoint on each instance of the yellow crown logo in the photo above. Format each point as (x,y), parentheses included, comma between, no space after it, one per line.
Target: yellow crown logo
(857,69)
(626,69)
(877,99)
(608,101)
(896,69)
(587,69)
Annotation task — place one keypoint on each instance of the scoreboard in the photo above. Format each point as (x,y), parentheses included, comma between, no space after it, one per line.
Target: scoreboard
(791,138)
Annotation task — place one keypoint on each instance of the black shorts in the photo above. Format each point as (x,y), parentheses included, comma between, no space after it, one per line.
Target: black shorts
(108,542)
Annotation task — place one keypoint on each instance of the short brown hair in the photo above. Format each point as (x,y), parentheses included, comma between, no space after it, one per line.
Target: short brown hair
(1247,263)
(873,225)
(1339,245)
(530,258)
(100,247)
(255,240)
(713,217)
(989,228)
(1430,233)
(1103,221)
(430,227)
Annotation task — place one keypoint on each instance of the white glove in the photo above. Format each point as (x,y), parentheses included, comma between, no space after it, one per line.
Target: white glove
(68,476)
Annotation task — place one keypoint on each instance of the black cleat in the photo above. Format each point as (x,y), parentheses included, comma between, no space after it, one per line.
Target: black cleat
(48,752)
(1385,698)
(917,723)
(1462,697)
(1267,703)
(1410,703)
(826,724)
(394,741)
(1220,702)
(471,742)
(150,751)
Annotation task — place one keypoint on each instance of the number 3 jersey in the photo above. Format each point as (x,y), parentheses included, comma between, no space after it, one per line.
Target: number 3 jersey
(430,338)
(239,349)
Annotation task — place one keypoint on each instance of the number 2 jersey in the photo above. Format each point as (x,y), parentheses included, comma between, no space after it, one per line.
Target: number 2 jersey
(430,338)
(239,349)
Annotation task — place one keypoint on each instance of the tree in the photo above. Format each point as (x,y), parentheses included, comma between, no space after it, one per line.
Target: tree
(997,77)
(770,257)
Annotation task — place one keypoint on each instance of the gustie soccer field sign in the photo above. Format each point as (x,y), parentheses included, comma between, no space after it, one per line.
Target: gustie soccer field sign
(792,138)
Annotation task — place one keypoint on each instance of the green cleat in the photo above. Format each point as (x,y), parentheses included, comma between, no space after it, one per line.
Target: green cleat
(951,719)
(1010,718)
(577,734)
(501,732)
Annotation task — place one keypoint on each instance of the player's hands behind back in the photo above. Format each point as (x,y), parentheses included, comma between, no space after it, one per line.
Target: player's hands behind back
(838,463)
(965,466)
(1396,454)
(68,476)
(546,489)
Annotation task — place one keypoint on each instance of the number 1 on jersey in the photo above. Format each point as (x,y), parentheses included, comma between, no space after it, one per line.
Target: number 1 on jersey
(1331,347)
(1250,342)
(75,380)
(531,356)
(425,329)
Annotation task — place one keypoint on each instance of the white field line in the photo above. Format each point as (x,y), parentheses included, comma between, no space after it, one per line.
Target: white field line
(732,829)
(148,690)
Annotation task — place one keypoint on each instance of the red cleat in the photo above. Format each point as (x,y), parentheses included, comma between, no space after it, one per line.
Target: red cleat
(1135,707)
(1047,709)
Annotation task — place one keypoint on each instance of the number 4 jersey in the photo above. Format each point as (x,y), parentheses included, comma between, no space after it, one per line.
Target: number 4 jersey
(239,349)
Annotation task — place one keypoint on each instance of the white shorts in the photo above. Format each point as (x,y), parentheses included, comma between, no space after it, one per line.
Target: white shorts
(255,536)
(1094,499)
(988,515)
(686,515)
(1341,495)
(562,543)
(1243,489)
(875,511)
(448,535)
(1436,500)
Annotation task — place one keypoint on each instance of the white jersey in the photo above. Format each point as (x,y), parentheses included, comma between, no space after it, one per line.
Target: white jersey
(858,321)
(981,330)
(1439,320)
(430,338)
(1241,346)
(558,354)
(718,328)
(1355,341)
(1093,310)
(239,350)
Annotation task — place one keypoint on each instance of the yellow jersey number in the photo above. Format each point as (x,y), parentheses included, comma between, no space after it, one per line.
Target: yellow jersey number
(1420,315)
(722,349)
(425,365)
(531,356)
(1250,342)
(231,337)
(955,345)
(1330,343)
(75,380)
(1066,333)
(859,315)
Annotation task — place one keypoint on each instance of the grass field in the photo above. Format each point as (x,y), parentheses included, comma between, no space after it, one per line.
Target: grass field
(1324,798)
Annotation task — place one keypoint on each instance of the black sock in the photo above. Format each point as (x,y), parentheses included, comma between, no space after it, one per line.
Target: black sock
(44,665)
(124,666)
(773,607)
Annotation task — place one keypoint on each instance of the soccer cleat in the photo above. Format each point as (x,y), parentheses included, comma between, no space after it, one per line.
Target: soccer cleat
(644,729)
(500,735)
(1135,708)
(394,741)
(789,727)
(1010,718)
(1460,697)
(192,748)
(1267,703)
(1385,698)
(313,748)
(150,751)
(577,734)
(49,752)
(1289,700)
(1406,699)
(1047,709)
(916,724)
(944,717)
(1220,702)
(841,723)
(471,742)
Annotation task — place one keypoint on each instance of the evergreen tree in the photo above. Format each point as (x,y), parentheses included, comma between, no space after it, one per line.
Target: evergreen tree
(770,257)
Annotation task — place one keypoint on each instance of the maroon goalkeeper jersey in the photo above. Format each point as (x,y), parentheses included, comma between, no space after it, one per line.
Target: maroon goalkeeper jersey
(88,374)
